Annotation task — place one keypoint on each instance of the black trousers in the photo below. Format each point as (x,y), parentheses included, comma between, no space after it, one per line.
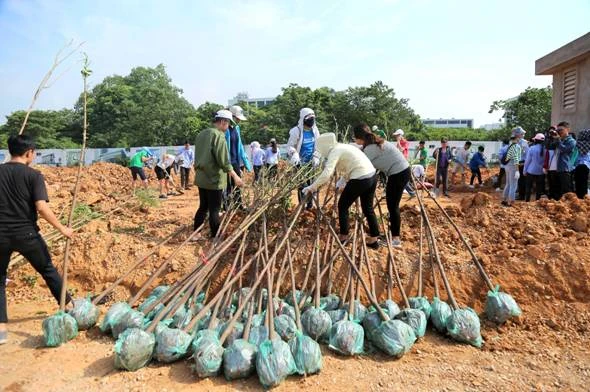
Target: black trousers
(257,170)
(553,181)
(306,183)
(233,193)
(272,171)
(32,246)
(564,182)
(501,176)
(442,174)
(538,181)
(184,174)
(581,180)
(209,202)
(475,173)
(521,182)
(393,195)
(365,190)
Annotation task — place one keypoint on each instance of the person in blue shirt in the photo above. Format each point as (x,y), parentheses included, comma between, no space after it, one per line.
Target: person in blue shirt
(237,155)
(533,168)
(186,160)
(564,145)
(257,159)
(582,163)
(477,160)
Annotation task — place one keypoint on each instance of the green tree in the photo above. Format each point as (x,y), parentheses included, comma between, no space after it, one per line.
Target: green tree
(530,110)
(50,128)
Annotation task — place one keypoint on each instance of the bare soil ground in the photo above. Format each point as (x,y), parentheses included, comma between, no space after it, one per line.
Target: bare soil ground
(538,252)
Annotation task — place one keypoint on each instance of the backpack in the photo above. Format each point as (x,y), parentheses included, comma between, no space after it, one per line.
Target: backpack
(504,159)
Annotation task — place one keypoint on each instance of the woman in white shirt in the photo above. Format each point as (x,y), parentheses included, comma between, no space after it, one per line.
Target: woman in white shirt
(271,159)
(163,170)
(257,159)
(355,168)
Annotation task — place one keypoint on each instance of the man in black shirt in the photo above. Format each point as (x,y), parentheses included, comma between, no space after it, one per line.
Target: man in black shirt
(22,195)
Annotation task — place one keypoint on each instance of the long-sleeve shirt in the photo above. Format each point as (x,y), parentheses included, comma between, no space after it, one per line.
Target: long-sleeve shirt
(212,160)
(501,154)
(187,157)
(565,147)
(524,148)
(271,158)
(387,158)
(583,160)
(258,156)
(477,161)
(237,147)
(350,162)
(535,158)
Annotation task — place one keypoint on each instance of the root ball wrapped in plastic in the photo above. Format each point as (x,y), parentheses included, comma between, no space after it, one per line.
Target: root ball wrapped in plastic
(114,315)
(299,296)
(181,318)
(285,327)
(59,329)
(131,319)
(347,338)
(306,353)
(85,313)
(360,311)
(463,326)
(258,334)
(171,344)
(414,318)
(134,349)
(501,306)
(370,323)
(394,337)
(239,360)
(316,323)
(286,309)
(207,353)
(236,332)
(243,293)
(154,312)
(258,319)
(420,303)
(159,291)
(390,307)
(274,362)
(330,302)
(337,315)
(439,315)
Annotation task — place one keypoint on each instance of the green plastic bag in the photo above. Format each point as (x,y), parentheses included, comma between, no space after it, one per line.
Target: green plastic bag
(236,332)
(171,344)
(463,326)
(306,353)
(330,302)
(439,315)
(131,319)
(59,329)
(285,327)
(159,291)
(258,334)
(239,360)
(420,303)
(274,362)
(207,353)
(394,337)
(347,338)
(501,306)
(85,313)
(414,318)
(360,311)
(370,323)
(181,318)
(133,349)
(286,309)
(114,315)
(391,307)
(316,323)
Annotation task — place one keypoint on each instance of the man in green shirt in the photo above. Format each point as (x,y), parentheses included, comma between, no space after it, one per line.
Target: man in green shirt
(212,166)
(136,166)
(421,153)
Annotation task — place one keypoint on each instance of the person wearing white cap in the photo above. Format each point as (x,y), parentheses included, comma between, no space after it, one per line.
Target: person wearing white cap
(271,158)
(212,167)
(302,137)
(519,133)
(237,155)
(360,179)
(257,154)
(533,168)
(402,144)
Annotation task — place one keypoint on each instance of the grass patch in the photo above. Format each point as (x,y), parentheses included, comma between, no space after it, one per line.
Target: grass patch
(30,280)
(82,212)
(147,197)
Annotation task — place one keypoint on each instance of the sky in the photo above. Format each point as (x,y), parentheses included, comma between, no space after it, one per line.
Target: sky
(450,58)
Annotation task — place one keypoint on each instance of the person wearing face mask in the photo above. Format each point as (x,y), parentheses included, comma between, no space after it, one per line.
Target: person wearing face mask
(356,169)
(303,138)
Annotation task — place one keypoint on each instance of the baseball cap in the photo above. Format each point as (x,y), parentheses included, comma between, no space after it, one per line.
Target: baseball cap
(224,114)
(375,127)
(238,112)
(380,133)
(539,137)
(518,131)
(398,132)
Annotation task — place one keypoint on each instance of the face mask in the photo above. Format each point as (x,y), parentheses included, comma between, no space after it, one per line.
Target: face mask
(308,122)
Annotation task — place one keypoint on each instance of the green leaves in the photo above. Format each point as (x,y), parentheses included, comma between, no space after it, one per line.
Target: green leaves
(530,110)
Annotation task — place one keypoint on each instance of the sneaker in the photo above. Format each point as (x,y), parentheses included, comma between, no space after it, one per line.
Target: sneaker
(163,196)
(373,245)
(396,243)
(471,187)
(3,337)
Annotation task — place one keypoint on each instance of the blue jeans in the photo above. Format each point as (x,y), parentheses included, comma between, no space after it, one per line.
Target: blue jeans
(511,183)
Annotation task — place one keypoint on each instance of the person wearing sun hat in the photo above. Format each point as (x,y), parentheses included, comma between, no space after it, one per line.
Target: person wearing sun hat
(533,168)
(519,132)
(402,144)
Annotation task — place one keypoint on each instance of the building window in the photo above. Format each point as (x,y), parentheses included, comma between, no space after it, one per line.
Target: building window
(570,81)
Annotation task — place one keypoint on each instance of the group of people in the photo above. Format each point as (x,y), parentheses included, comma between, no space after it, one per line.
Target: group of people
(552,163)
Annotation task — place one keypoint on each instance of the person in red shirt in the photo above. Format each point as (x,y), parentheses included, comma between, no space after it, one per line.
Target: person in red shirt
(402,144)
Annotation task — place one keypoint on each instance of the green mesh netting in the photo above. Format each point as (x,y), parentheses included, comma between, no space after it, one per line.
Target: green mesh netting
(463,326)
(181,318)
(501,306)
(285,327)
(414,318)
(360,311)
(370,323)
(85,313)
(207,353)
(286,309)
(330,302)
(131,319)
(274,362)
(133,349)
(306,353)
(316,323)
(394,337)
(439,315)
(258,334)
(236,332)
(420,303)
(59,329)
(239,360)
(113,316)
(171,344)
(347,338)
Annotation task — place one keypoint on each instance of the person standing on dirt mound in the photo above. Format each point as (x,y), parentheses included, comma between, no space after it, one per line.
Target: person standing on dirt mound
(524,147)
(212,168)
(358,180)
(564,145)
(186,159)
(442,156)
(22,195)
(236,153)
(511,160)
(478,160)
(136,164)
(533,168)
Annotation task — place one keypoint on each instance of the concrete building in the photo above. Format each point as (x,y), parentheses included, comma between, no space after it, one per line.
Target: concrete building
(448,122)
(257,102)
(492,126)
(570,67)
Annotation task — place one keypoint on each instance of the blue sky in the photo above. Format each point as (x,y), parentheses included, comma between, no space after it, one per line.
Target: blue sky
(451,58)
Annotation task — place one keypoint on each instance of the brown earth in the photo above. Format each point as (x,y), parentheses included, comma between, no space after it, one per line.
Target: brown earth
(537,252)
